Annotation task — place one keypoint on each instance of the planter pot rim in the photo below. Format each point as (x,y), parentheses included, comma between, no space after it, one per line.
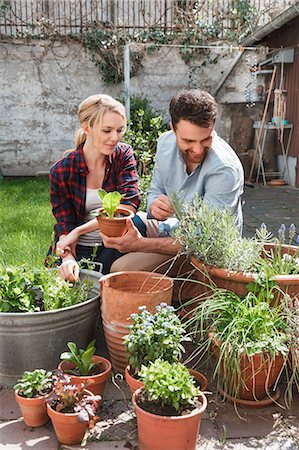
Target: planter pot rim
(97,359)
(86,391)
(120,208)
(198,410)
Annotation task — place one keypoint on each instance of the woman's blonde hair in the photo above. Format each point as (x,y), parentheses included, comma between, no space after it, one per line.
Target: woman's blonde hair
(91,111)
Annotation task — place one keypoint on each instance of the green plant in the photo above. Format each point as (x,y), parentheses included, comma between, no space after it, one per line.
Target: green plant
(153,336)
(71,398)
(27,289)
(34,384)
(82,358)
(168,384)
(110,202)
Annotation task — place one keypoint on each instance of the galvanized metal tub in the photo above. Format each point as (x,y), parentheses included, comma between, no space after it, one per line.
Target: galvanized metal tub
(31,341)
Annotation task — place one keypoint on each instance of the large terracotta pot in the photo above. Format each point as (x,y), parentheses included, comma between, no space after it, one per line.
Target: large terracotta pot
(237,281)
(67,428)
(258,374)
(33,410)
(168,432)
(135,383)
(94,383)
(115,226)
(121,295)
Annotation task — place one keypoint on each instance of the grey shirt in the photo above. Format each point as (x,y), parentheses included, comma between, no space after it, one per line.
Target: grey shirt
(219,180)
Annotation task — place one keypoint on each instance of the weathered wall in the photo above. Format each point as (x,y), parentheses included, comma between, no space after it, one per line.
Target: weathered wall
(43,83)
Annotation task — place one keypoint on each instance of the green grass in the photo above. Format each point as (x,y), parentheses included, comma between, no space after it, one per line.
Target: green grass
(26,221)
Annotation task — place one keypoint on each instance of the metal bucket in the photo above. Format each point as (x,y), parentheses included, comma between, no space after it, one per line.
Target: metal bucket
(31,341)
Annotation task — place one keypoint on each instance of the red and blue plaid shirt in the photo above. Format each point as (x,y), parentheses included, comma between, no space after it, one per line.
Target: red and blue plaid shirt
(68,185)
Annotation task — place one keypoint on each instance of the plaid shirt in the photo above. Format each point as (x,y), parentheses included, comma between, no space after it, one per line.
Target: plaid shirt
(68,185)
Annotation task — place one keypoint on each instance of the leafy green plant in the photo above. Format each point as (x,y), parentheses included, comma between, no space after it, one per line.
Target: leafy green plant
(82,358)
(153,336)
(168,384)
(71,398)
(110,202)
(28,289)
(34,384)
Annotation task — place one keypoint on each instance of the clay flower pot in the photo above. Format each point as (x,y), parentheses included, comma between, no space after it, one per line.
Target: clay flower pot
(173,432)
(94,383)
(66,426)
(33,410)
(121,295)
(114,226)
(237,281)
(135,383)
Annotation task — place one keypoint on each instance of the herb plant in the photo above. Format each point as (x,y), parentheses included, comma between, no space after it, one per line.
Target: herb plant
(70,398)
(82,358)
(34,384)
(110,202)
(168,384)
(153,336)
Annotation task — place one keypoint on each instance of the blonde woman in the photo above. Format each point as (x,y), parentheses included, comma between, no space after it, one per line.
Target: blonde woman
(100,160)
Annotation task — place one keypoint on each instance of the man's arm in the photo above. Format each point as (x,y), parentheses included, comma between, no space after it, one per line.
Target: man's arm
(133,241)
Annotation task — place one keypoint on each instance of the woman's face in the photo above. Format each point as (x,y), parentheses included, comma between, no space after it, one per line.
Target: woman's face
(106,135)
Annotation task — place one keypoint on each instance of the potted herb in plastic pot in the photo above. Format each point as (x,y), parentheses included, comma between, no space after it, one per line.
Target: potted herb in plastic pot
(112,216)
(30,393)
(155,335)
(83,366)
(40,310)
(168,408)
(72,409)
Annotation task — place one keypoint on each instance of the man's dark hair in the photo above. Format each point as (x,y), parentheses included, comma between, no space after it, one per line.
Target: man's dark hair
(197,106)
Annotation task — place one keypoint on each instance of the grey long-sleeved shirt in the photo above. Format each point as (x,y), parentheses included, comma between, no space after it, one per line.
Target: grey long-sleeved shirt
(219,180)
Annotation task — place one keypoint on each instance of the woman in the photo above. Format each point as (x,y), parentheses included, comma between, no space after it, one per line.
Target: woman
(100,160)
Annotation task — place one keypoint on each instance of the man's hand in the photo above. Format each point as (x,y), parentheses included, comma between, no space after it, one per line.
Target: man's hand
(161,208)
(129,242)
(69,270)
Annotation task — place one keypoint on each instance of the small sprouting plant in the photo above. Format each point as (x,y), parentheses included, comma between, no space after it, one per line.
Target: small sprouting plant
(82,358)
(71,398)
(110,202)
(168,384)
(153,336)
(34,384)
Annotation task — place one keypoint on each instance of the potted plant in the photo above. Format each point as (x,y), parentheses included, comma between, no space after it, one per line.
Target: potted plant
(168,408)
(72,409)
(40,310)
(30,394)
(155,335)
(250,339)
(112,217)
(83,366)
(217,250)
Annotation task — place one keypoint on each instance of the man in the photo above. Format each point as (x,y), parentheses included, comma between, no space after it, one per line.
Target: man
(190,159)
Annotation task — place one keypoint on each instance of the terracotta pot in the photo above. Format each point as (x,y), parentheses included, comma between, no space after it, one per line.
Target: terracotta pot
(121,295)
(115,226)
(258,374)
(237,281)
(33,410)
(94,383)
(163,432)
(135,384)
(66,426)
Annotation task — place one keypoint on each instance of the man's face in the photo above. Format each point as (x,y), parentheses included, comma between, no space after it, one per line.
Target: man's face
(193,141)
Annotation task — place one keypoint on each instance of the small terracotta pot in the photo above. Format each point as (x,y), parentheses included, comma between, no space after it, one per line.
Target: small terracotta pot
(135,384)
(121,295)
(33,410)
(66,426)
(163,432)
(237,281)
(115,226)
(94,383)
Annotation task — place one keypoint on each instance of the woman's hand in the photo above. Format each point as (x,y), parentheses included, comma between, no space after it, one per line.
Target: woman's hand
(69,270)
(67,243)
(161,208)
(129,242)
